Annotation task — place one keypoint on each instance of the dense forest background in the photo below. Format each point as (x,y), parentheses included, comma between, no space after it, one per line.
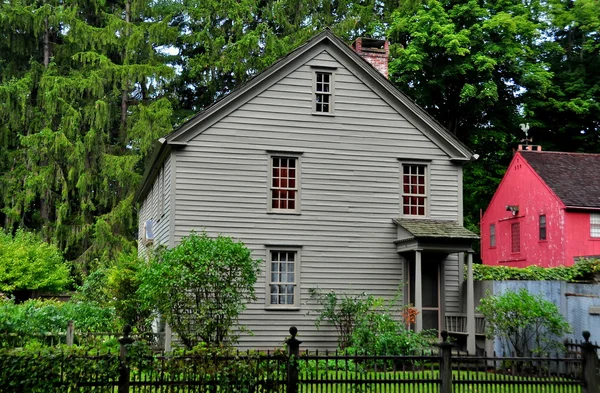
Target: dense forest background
(86,87)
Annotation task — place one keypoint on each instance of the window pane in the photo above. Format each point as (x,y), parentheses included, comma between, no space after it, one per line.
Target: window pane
(414,190)
(515,231)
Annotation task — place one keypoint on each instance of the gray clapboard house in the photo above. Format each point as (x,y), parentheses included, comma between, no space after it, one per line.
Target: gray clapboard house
(331,176)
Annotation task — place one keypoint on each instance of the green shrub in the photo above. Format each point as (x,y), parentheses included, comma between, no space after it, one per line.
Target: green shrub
(29,263)
(527,324)
(200,287)
(582,270)
(117,287)
(379,333)
(342,311)
(33,319)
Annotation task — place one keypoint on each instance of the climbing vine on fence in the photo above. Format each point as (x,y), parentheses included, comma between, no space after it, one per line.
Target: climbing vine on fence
(583,270)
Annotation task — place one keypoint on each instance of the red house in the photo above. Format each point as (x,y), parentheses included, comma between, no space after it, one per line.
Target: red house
(545,212)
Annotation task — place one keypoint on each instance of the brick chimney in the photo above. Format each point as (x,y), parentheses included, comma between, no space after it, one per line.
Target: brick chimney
(530,147)
(375,51)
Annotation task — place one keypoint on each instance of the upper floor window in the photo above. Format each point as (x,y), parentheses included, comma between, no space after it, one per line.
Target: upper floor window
(323,93)
(282,270)
(492,235)
(284,190)
(542,227)
(595,224)
(515,237)
(414,189)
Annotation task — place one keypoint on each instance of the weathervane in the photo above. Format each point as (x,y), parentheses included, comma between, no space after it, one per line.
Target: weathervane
(525,129)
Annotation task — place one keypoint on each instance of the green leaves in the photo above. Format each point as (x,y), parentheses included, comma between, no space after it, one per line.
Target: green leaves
(29,263)
(527,324)
(200,287)
(579,271)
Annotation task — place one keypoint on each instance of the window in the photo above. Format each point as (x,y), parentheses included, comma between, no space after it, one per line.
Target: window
(515,236)
(284,190)
(542,227)
(492,235)
(323,93)
(283,278)
(414,192)
(595,224)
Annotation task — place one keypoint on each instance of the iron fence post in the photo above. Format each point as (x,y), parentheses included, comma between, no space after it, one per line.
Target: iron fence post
(445,364)
(590,360)
(123,365)
(293,345)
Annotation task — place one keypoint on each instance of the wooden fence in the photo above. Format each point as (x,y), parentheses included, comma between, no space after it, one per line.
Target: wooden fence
(438,371)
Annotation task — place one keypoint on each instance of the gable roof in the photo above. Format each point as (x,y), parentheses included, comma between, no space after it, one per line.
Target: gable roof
(573,177)
(326,40)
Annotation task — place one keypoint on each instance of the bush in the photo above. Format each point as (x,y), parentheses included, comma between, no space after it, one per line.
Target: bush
(200,287)
(342,311)
(379,333)
(116,287)
(34,319)
(29,263)
(366,326)
(582,270)
(525,323)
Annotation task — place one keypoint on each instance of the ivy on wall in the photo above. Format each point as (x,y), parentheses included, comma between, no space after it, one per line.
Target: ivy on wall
(583,270)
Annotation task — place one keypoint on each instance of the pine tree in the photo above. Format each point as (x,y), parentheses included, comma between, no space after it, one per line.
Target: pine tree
(81,102)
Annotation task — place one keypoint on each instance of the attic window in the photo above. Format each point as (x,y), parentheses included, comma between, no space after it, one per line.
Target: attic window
(323,94)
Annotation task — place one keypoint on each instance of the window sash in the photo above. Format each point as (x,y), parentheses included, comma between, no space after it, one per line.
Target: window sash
(595,224)
(284,183)
(515,234)
(323,92)
(282,277)
(542,227)
(492,235)
(414,190)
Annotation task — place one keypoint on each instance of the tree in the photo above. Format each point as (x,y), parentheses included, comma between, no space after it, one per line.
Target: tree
(566,117)
(467,63)
(81,102)
(201,286)
(27,263)
(527,324)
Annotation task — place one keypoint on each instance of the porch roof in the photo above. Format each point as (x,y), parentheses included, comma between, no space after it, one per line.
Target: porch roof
(433,235)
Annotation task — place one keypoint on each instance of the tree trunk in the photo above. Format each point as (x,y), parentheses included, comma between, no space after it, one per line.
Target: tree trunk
(46,43)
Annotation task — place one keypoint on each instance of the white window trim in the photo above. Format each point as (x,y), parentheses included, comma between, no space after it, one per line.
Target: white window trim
(296,283)
(331,72)
(298,204)
(426,164)
(595,225)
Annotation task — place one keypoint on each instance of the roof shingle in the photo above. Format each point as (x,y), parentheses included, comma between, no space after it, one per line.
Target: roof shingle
(435,229)
(574,177)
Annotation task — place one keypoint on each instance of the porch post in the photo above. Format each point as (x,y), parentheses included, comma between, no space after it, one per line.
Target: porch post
(471,349)
(418,292)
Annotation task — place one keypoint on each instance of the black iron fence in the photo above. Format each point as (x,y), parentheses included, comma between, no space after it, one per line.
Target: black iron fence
(292,371)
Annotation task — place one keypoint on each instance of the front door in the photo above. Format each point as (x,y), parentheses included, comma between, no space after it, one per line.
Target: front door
(430,283)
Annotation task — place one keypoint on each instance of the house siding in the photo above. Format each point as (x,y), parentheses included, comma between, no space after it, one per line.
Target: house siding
(350,190)
(151,209)
(522,186)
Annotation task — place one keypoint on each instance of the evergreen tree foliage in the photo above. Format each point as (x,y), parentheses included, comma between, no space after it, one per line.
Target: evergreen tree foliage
(86,87)
(81,102)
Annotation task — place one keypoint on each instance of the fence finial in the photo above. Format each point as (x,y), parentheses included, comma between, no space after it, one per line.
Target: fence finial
(586,336)
(444,335)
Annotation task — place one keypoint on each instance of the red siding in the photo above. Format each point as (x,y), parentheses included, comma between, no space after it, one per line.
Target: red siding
(579,243)
(522,187)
